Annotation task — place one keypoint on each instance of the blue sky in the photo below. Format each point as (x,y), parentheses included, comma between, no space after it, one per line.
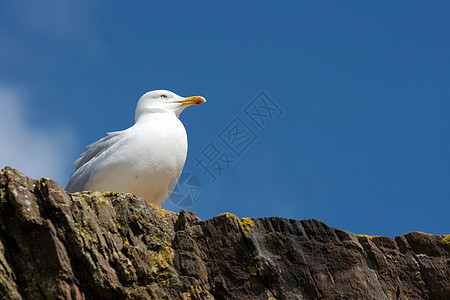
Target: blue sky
(363,141)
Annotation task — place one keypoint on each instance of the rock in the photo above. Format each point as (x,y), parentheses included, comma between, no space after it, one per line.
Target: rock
(55,245)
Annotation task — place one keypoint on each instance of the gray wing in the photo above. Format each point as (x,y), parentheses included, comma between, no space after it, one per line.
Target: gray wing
(84,169)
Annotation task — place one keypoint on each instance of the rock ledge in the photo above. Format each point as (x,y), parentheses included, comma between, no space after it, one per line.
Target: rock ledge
(55,245)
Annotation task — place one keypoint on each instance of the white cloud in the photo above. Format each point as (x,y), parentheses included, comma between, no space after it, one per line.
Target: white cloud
(51,17)
(35,151)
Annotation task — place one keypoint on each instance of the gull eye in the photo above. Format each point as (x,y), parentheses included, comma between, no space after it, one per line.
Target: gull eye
(163,96)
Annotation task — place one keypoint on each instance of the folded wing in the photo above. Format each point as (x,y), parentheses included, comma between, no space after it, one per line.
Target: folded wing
(87,165)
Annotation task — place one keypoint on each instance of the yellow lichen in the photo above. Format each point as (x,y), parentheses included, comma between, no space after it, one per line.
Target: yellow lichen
(252,270)
(162,259)
(229,216)
(258,268)
(248,221)
(161,210)
(165,283)
(101,198)
(195,290)
(246,224)
(424,233)
(368,236)
(389,256)
(446,239)
(108,194)
(86,238)
(270,295)
(389,293)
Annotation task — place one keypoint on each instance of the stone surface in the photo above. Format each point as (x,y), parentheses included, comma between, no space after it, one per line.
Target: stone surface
(116,246)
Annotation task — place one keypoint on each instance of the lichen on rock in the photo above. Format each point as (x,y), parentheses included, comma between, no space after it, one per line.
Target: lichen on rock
(55,245)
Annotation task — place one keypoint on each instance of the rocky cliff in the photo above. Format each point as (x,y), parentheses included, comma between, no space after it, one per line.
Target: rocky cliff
(55,245)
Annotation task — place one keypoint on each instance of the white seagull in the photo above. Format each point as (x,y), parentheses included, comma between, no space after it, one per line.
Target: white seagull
(146,159)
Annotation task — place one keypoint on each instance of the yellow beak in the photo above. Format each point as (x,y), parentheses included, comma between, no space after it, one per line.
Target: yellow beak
(194,100)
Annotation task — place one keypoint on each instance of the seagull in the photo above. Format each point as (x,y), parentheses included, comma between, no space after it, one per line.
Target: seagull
(146,159)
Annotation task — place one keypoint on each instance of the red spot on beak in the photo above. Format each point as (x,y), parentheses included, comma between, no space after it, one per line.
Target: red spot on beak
(199,100)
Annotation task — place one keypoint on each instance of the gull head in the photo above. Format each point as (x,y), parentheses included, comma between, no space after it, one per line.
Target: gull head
(162,101)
